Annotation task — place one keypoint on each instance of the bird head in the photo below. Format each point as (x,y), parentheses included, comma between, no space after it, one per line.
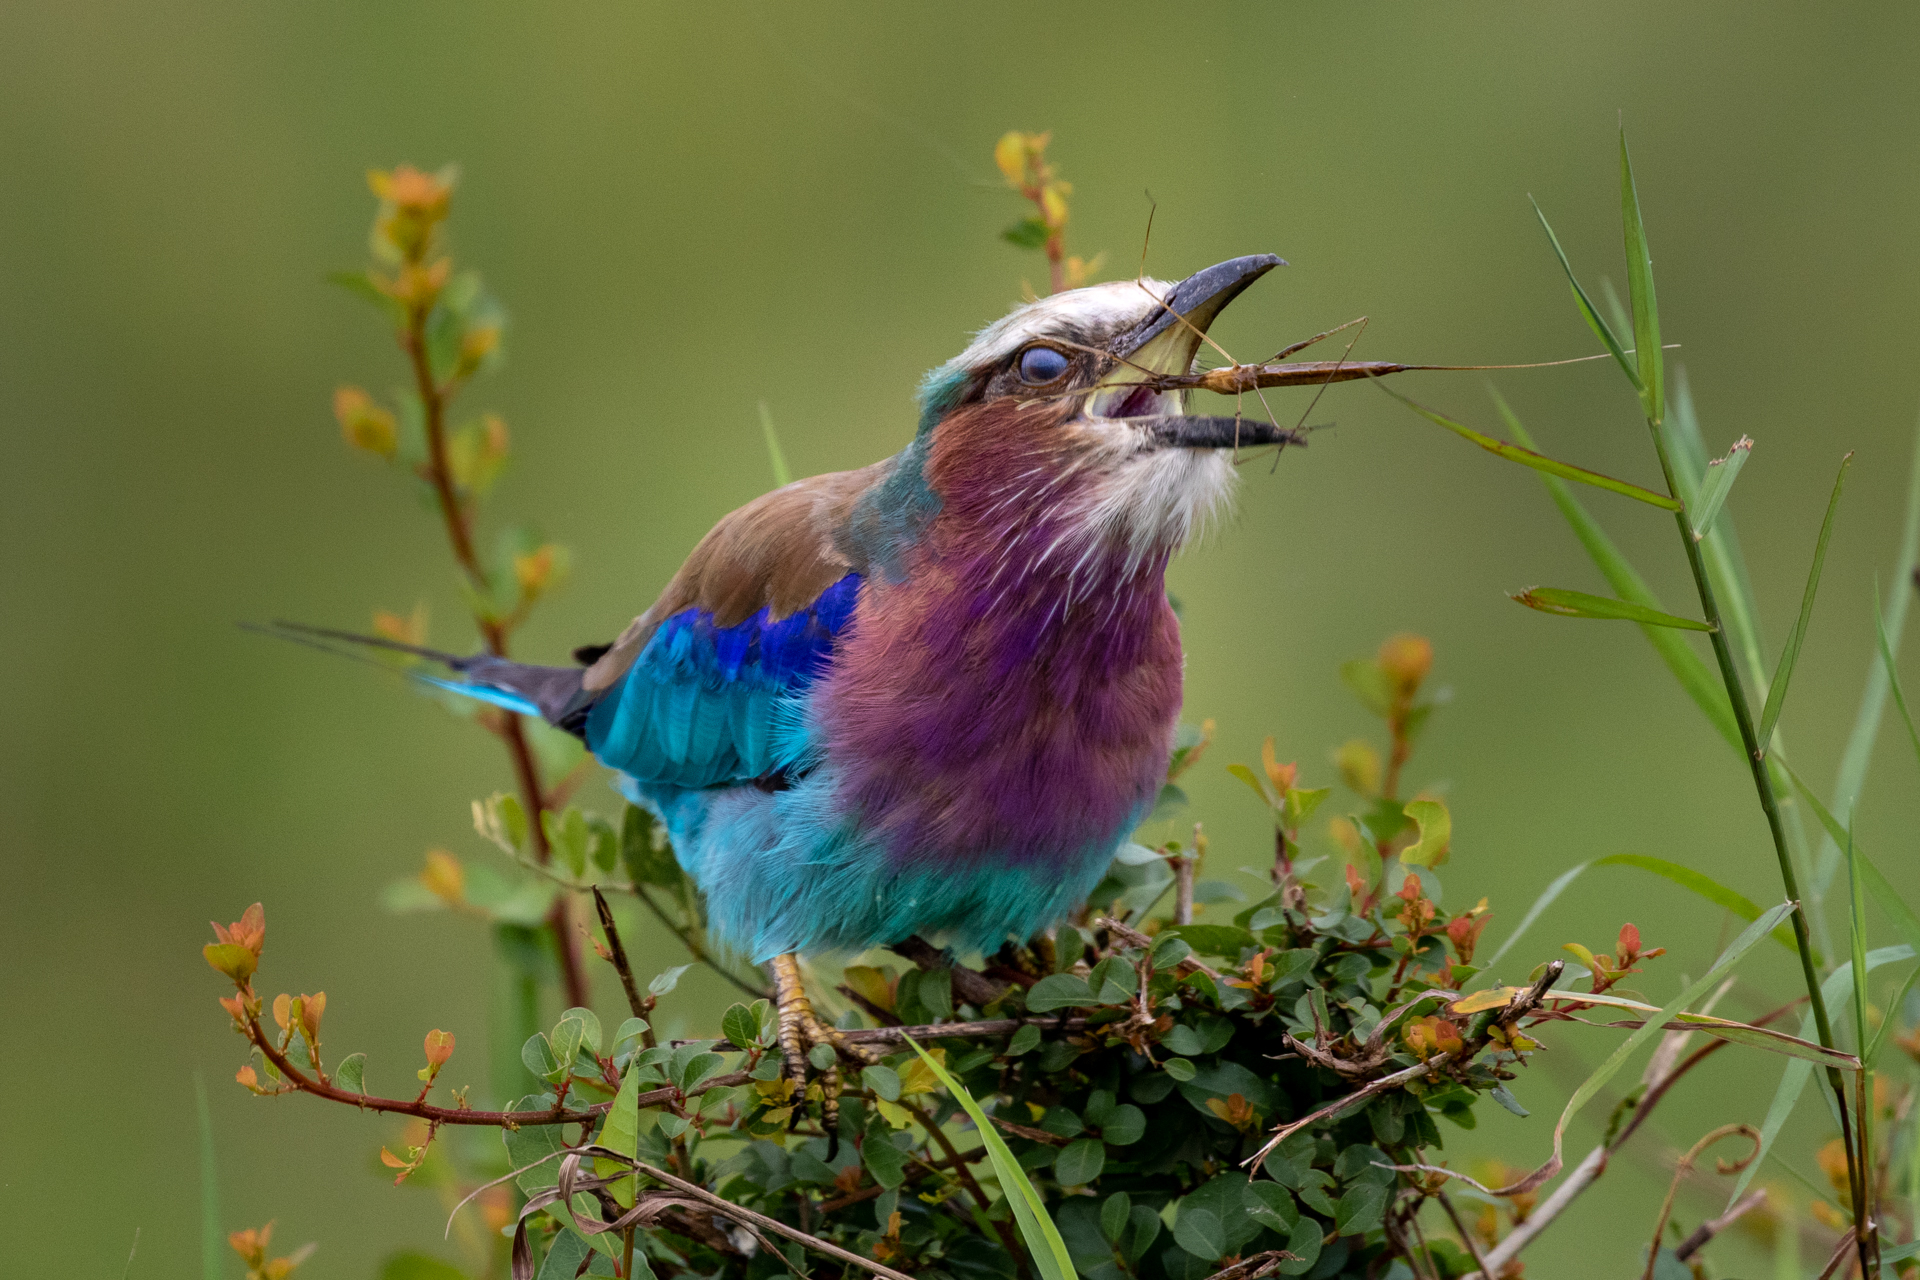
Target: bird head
(1056,401)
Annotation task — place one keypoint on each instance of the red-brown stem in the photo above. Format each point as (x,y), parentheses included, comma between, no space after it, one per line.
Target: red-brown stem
(455,516)
(321,1088)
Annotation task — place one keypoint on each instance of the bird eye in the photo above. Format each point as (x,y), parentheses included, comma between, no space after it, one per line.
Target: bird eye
(1041,365)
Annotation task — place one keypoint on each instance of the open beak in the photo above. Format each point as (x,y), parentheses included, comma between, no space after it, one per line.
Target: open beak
(1166,343)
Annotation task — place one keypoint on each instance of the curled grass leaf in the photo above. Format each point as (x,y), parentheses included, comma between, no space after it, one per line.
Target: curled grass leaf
(1578,604)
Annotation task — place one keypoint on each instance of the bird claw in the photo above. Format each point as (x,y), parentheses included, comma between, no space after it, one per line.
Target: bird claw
(802,1031)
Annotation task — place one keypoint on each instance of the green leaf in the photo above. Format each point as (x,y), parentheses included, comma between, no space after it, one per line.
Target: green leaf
(590,1027)
(630,1029)
(1304,1245)
(1126,1125)
(621,1133)
(1777,690)
(1359,1208)
(565,1039)
(1436,831)
(1893,676)
(1181,1069)
(1080,1162)
(1144,1228)
(1060,991)
(537,1056)
(1028,233)
(351,1074)
(1540,904)
(1646,314)
(360,284)
(1025,1040)
(1721,473)
(1700,684)
(1200,1234)
(1042,1238)
(740,1026)
(1578,604)
(666,980)
(1115,1215)
(1585,304)
(1706,886)
(1271,1205)
(883,1081)
(1539,462)
(1212,939)
(887,1162)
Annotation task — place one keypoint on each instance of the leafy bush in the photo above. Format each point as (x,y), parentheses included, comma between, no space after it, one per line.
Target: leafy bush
(1140,1093)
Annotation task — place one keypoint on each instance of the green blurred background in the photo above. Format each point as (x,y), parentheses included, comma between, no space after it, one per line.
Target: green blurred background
(690,209)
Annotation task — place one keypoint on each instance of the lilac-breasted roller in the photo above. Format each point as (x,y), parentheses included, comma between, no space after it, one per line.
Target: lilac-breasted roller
(932,696)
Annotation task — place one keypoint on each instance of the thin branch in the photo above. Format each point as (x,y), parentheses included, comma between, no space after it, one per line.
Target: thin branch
(1714,1226)
(620,965)
(1134,938)
(1466,1236)
(741,1214)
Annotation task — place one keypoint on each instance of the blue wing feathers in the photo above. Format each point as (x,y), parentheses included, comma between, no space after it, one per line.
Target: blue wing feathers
(701,705)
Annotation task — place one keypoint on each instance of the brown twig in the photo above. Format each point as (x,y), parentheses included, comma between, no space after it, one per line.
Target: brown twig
(1714,1226)
(457,518)
(620,965)
(1467,1237)
(1134,938)
(1031,1134)
(972,987)
(321,1088)
(1840,1252)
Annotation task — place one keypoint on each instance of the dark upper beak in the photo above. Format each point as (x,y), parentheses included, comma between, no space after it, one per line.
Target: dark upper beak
(1166,342)
(1196,301)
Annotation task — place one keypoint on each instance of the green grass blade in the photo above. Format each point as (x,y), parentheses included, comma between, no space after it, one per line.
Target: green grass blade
(1540,904)
(213,1241)
(1857,935)
(1721,473)
(781,476)
(1726,565)
(1654,1024)
(1887,1023)
(1893,676)
(1029,1210)
(1539,462)
(1891,904)
(1585,303)
(1838,986)
(1704,885)
(1646,313)
(1873,699)
(1688,667)
(1777,690)
(1578,604)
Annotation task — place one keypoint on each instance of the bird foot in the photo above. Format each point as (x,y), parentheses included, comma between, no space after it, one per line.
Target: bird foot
(802,1031)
